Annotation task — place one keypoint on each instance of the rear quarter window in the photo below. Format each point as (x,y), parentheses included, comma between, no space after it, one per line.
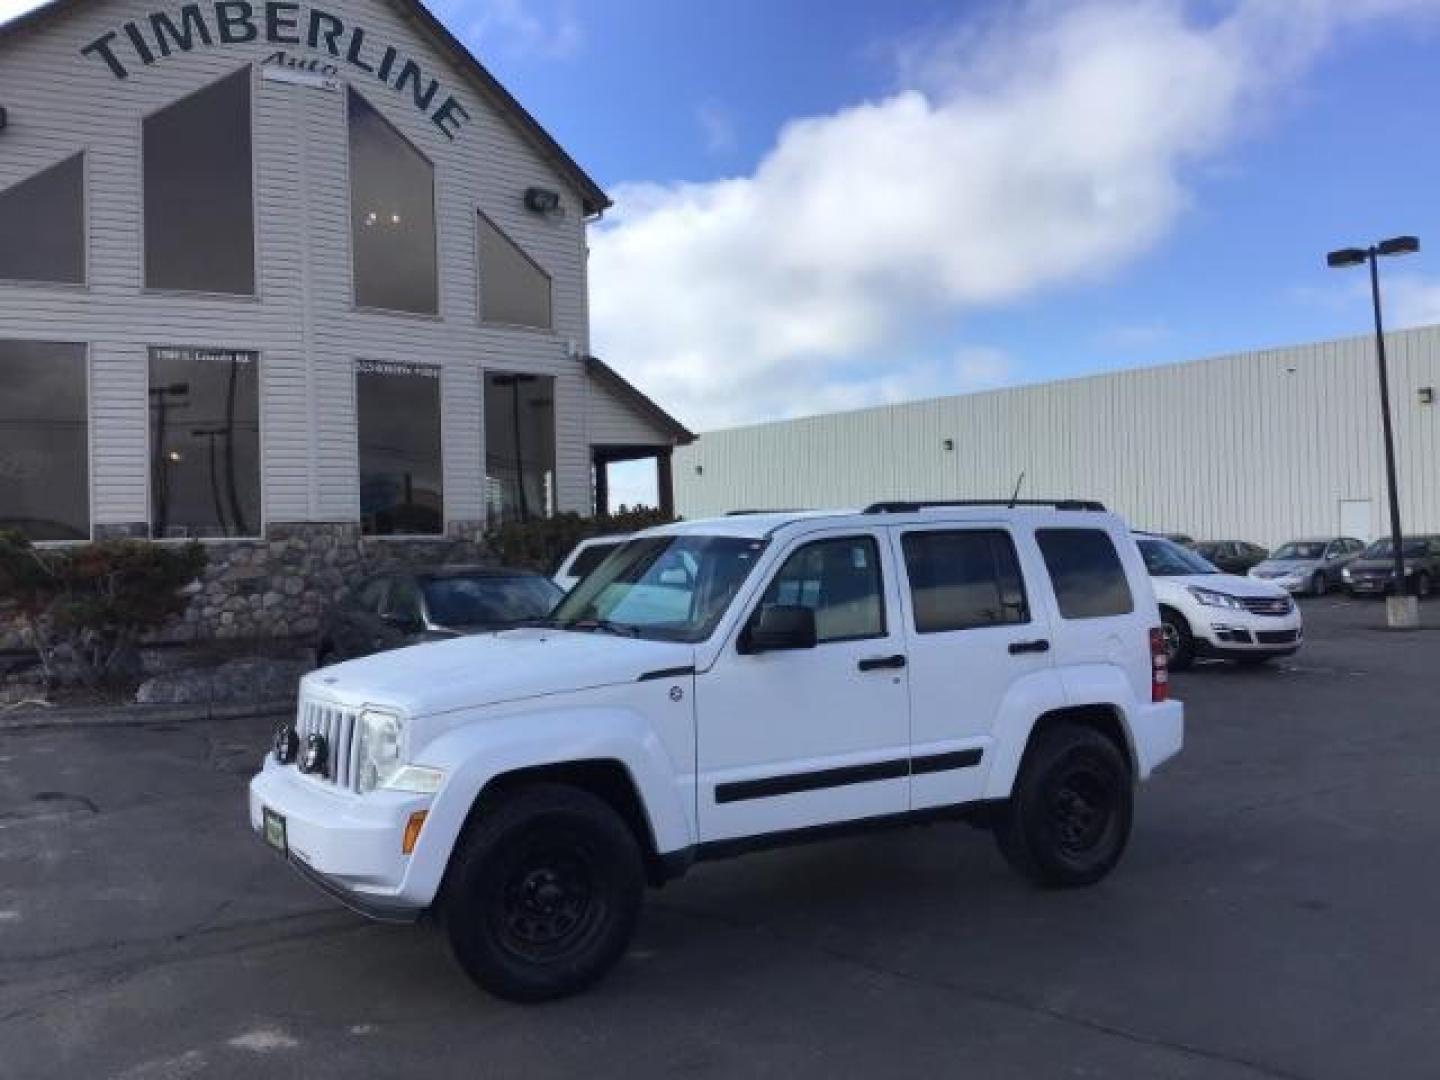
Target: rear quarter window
(1086,572)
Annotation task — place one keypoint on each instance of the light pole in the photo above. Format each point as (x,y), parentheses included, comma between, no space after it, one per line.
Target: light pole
(1402,610)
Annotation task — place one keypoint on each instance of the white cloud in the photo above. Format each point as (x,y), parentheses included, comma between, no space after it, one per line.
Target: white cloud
(1410,300)
(9,9)
(1045,147)
(519,27)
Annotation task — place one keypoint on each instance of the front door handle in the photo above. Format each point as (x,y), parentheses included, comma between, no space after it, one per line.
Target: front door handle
(1018,647)
(880,663)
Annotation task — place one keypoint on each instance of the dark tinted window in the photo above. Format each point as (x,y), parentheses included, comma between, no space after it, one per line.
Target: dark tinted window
(44,475)
(392,216)
(204,442)
(519,446)
(964,579)
(398,418)
(513,288)
(590,558)
(840,580)
(42,226)
(1086,572)
(489,600)
(199,218)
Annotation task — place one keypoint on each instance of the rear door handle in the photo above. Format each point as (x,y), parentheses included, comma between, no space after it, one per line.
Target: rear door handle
(1018,647)
(879,663)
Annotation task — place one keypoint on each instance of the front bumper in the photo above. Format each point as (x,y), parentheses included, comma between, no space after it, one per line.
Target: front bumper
(1228,633)
(347,845)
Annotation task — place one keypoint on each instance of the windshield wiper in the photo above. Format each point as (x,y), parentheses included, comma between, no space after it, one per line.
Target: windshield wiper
(619,629)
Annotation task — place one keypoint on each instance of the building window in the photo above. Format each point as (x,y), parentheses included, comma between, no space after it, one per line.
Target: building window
(199,212)
(513,288)
(519,446)
(392,216)
(397,410)
(44,445)
(42,226)
(963,580)
(204,443)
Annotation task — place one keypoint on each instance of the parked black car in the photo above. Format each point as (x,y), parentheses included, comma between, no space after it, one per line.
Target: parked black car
(1373,573)
(1232,556)
(409,607)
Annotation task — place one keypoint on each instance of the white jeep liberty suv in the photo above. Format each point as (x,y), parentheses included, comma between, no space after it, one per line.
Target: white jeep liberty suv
(719,686)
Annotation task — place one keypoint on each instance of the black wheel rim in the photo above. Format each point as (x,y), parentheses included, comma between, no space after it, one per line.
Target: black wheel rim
(1080,809)
(548,899)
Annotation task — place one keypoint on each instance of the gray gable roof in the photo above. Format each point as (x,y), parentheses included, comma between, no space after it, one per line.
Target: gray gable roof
(592,196)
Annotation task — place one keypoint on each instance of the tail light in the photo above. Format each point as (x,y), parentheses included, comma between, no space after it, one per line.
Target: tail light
(1159,666)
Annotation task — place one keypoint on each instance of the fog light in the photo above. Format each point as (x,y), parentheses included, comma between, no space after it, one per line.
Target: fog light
(286,744)
(314,758)
(412,831)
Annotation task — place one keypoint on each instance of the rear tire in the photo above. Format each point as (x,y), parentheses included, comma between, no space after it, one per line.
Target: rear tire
(543,893)
(1069,816)
(1179,641)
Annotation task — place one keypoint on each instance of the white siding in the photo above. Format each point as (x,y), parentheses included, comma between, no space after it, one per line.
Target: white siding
(303,322)
(1260,446)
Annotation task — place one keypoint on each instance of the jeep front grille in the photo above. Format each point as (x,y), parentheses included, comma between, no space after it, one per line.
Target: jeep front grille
(339,728)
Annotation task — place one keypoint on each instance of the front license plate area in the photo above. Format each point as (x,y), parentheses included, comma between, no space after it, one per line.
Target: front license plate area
(274,825)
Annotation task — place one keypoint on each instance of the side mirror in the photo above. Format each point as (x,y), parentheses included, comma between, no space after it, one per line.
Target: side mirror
(780,626)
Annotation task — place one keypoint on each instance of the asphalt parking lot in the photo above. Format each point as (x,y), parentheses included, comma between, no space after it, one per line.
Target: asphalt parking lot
(1276,916)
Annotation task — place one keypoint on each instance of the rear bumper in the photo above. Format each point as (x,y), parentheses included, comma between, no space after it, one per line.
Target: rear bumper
(1158,733)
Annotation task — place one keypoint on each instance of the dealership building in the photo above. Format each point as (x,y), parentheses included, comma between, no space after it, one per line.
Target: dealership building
(1262,446)
(303,282)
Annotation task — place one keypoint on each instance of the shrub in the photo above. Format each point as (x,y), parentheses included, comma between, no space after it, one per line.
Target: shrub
(540,543)
(92,604)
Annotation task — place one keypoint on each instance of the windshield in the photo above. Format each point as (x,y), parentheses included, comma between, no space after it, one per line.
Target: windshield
(1166,559)
(668,588)
(486,600)
(1384,549)
(1305,549)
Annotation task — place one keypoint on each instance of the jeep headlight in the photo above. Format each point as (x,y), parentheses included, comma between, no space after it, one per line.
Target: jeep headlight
(1211,598)
(380,748)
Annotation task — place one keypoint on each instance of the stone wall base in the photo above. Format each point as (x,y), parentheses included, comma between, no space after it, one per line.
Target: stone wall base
(282,586)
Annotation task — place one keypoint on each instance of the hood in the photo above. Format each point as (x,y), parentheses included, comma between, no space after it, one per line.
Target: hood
(1286,566)
(1232,584)
(489,669)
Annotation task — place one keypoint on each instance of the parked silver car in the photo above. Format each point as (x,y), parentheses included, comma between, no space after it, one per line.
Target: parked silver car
(1309,566)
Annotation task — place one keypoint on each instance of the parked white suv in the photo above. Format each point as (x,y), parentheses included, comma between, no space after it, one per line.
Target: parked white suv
(1208,613)
(720,686)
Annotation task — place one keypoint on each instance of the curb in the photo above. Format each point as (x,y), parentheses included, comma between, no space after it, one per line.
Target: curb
(29,719)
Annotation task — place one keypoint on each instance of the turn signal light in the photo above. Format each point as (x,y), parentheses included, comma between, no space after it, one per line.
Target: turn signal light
(412,831)
(1159,667)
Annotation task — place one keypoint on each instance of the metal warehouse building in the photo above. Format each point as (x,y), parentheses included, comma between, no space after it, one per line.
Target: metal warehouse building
(303,282)
(1263,446)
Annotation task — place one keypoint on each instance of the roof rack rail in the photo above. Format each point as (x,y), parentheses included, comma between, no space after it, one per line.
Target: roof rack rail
(778,510)
(904,507)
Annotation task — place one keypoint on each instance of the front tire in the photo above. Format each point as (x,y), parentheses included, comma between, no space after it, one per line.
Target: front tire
(1319,584)
(1069,815)
(543,893)
(1179,641)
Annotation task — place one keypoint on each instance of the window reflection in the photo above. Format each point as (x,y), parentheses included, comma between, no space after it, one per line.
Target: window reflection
(392,216)
(519,446)
(44,474)
(398,417)
(204,442)
(199,217)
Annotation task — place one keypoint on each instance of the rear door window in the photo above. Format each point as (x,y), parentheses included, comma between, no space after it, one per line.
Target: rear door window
(963,579)
(1086,572)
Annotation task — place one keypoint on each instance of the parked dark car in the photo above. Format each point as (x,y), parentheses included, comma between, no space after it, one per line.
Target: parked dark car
(406,608)
(1309,566)
(1232,556)
(1373,573)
